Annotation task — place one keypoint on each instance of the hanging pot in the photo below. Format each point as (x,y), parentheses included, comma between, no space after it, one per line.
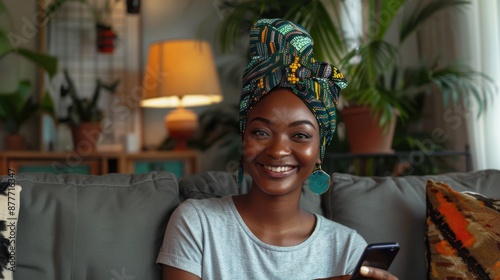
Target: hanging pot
(364,133)
(106,39)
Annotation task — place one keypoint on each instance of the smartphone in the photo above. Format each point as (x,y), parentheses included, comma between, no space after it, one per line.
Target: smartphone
(379,255)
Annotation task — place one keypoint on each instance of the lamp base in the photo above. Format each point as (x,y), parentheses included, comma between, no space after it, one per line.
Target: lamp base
(181,125)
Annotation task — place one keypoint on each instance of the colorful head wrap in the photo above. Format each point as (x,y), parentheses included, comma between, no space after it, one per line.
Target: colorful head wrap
(281,55)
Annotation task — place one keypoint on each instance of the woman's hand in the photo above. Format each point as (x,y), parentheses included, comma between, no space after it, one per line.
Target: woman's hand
(376,273)
(367,272)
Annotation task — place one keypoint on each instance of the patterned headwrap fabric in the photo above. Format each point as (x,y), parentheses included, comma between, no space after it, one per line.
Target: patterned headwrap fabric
(281,55)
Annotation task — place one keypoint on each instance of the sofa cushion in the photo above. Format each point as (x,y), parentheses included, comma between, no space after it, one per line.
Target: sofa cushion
(463,234)
(221,183)
(92,227)
(394,209)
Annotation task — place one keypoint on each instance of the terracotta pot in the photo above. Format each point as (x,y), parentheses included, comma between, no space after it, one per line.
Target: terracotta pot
(15,142)
(85,137)
(364,133)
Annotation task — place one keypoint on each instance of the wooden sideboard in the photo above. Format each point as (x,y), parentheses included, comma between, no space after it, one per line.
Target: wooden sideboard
(180,163)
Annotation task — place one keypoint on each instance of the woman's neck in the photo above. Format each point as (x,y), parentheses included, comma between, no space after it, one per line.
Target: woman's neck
(275,220)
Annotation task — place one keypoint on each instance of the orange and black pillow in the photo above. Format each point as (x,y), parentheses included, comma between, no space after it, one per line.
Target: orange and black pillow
(463,234)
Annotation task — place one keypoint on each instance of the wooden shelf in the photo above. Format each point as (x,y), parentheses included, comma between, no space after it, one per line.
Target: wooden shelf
(180,163)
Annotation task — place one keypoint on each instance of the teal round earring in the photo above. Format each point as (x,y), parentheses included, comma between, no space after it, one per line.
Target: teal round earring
(239,174)
(319,181)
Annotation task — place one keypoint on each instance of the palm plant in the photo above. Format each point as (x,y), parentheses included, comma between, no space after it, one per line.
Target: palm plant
(380,81)
(375,70)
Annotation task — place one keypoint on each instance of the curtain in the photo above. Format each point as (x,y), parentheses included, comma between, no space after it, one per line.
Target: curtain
(481,40)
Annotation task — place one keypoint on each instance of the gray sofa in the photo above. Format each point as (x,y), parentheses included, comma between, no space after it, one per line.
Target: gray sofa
(111,226)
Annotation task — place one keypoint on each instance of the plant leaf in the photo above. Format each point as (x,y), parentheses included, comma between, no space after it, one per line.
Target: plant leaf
(17,106)
(422,14)
(3,8)
(389,10)
(5,12)
(5,47)
(47,62)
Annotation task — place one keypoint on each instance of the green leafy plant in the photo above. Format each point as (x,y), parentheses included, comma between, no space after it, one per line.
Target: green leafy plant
(47,62)
(20,105)
(377,76)
(84,109)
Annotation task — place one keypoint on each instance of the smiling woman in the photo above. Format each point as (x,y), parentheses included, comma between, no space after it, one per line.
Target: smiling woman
(281,143)
(287,117)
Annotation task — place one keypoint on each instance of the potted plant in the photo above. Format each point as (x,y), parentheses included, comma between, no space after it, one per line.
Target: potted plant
(20,105)
(383,89)
(84,115)
(380,84)
(101,12)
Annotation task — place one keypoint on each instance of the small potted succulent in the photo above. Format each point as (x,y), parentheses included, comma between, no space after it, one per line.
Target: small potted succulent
(84,115)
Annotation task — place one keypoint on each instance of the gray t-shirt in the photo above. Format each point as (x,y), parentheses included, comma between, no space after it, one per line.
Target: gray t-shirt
(208,238)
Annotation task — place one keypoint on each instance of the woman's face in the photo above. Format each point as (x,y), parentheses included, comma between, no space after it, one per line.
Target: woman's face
(280,143)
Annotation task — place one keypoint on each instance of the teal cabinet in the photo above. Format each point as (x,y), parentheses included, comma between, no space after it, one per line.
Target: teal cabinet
(180,163)
(177,167)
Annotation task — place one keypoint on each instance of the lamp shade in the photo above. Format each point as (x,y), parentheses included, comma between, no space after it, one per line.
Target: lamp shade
(180,73)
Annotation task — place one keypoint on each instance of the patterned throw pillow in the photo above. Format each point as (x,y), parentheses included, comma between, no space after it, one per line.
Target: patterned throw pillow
(9,212)
(463,234)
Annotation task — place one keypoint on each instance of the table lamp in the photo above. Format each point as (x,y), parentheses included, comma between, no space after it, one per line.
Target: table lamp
(179,74)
